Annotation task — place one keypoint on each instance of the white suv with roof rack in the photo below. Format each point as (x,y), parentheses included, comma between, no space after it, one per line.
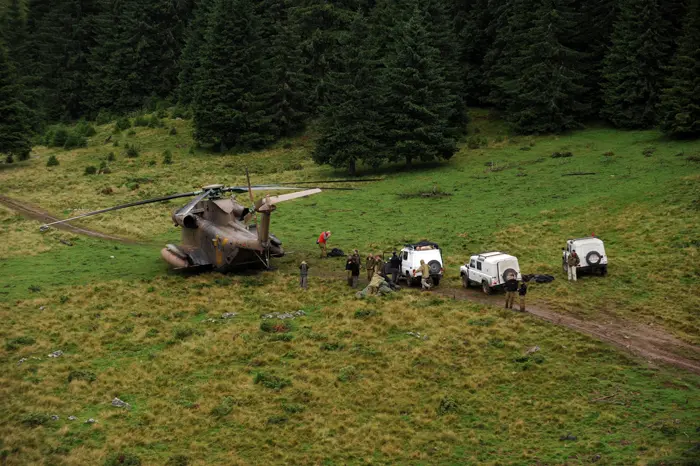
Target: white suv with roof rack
(489,270)
(412,254)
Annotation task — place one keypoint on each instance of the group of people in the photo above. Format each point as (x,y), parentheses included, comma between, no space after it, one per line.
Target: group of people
(513,288)
(374,265)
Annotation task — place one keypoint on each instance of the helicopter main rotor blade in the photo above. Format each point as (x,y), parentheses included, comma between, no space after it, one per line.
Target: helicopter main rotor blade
(123,206)
(184,210)
(270,201)
(366,180)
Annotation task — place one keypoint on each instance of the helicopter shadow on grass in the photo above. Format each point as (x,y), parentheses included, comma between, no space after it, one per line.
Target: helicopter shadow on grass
(393,169)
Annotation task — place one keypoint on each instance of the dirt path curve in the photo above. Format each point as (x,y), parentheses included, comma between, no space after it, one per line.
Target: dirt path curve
(653,344)
(35,213)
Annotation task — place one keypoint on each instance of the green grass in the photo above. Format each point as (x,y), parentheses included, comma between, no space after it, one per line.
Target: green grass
(347,384)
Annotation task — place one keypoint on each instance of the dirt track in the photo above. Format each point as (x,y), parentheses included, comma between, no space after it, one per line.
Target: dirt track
(34,213)
(652,344)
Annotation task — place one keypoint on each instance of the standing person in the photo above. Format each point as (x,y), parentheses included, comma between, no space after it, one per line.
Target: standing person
(304,275)
(572,262)
(322,242)
(369,265)
(511,289)
(349,269)
(522,291)
(424,270)
(378,264)
(395,262)
(356,256)
(354,272)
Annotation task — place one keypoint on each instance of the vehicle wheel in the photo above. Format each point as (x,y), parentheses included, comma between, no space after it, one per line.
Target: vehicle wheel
(434,267)
(508,272)
(465,281)
(593,258)
(485,288)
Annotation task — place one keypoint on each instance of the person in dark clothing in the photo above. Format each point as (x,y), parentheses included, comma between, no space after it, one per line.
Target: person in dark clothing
(354,273)
(511,289)
(522,291)
(395,263)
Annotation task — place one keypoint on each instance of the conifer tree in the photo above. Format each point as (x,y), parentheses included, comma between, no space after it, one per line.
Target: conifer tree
(232,89)
(680,102)
(419,103)
(632,67)
(476,35)
(350,130)
(191,52)
(548,91)
(14,114)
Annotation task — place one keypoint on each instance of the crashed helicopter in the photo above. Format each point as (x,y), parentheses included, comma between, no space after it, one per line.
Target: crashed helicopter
(218,231)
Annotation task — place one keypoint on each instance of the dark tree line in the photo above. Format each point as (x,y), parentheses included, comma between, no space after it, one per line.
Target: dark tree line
(388,80)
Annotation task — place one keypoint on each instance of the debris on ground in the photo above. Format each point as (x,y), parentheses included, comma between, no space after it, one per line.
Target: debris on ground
(417,335)
(72,418)
(67,243)
(91,421)
(568,437)
(532,350)
(228,315)
(121,404)
(56,354)
(538,278)
(21,361)
(283,316)
(41,308)
(213,321)
(55,417)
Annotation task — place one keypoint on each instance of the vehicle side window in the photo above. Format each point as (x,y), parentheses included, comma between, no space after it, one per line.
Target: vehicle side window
(478,266)
(405,255)
(472,263)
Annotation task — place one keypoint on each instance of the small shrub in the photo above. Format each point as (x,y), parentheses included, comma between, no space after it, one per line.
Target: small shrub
(132,151)
(273,420)
(173,131)
(648,151)
(167,157)
(475,142)
(82,375)
(35,419)
(111,157)
(191,151)
(287,145)
(365,313)
(131,132)
(182,333)
(224,408)
(496,343)
(63,299)
(140,121)
(282,337)
(347,374)
(107,191)
(152,332)
(482,322)
(162,113)
(526,148)
(84,129)
(155,122)
(90,170)
(115,144)
(15,343)
(34,288)
(693,158)
(58,136)
(74,141)
(178,460)
(52,162)
(122,124)
(104,169)
(103,117)
(609,153)
(447,405)
(181,112)
(293,408)
(332,346)
(9,159)
(271,381)
(123,459)
(152,163)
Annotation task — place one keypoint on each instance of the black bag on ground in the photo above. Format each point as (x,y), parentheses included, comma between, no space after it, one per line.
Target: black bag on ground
(335,252)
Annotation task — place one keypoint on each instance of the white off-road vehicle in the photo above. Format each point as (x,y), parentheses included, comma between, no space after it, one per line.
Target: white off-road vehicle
(489,270)
(412,254)
(591,253)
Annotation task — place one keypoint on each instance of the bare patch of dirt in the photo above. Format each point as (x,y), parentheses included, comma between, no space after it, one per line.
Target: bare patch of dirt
(651,343)
(35,213)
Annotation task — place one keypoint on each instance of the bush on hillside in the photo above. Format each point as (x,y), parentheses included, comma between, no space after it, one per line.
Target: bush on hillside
(74,141)
(132,151)
(111,157)
(84,129)
(90,170)
(52,162)
(9,159)
(155,122)
(123,459)
(167,157)
(140,120)
(103,117)
(122,124)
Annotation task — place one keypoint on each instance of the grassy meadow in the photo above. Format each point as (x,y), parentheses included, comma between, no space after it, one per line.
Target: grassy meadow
(347,383)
